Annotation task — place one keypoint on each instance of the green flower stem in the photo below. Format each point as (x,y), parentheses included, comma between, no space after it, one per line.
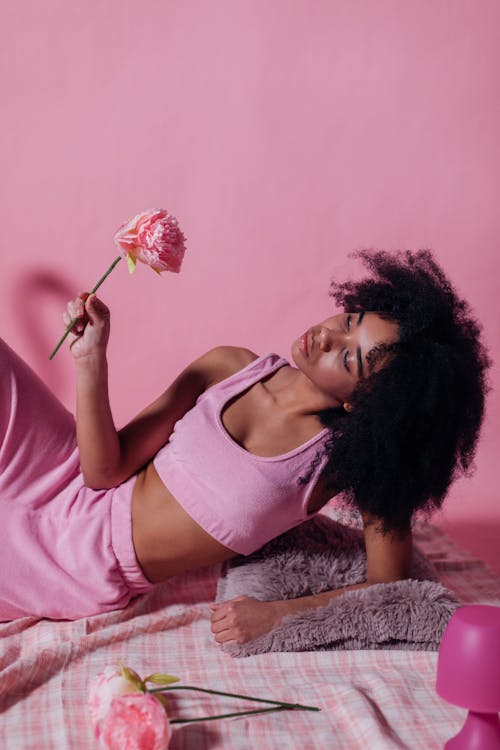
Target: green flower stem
(282,704)
(68,329)
(228,716)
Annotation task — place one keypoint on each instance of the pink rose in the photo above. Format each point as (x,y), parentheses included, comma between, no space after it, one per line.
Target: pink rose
(110,684)
(136,722)
(152,237)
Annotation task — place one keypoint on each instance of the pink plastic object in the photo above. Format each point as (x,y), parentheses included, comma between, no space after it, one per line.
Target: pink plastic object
(468,675)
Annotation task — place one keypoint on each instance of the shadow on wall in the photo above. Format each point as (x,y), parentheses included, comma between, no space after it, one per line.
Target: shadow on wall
(39,297)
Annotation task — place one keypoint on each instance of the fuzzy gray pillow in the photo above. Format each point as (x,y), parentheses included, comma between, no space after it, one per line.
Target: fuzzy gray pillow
(320,555)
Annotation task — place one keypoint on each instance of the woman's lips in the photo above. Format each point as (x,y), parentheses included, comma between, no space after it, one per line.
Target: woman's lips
(305,343)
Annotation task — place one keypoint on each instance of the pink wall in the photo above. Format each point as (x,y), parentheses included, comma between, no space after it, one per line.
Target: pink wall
(283,135)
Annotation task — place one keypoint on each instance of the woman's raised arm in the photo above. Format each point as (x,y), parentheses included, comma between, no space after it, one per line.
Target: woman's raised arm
(108,457)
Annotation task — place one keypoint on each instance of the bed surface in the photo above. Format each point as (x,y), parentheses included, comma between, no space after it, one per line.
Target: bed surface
(375,699)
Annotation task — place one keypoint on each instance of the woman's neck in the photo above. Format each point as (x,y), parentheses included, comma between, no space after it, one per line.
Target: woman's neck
(295,394)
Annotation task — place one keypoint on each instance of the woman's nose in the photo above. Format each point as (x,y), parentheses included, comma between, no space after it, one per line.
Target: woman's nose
(328,339)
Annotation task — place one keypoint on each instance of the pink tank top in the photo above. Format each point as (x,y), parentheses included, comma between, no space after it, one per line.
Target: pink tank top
(240,499)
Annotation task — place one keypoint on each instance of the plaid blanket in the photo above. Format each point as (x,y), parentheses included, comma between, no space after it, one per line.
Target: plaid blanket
(375,699)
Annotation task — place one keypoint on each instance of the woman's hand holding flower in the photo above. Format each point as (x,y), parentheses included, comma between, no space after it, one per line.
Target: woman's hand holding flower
(153,238)
(90,333)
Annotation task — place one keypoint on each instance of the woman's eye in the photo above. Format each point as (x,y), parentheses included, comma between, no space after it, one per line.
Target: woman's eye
(349,321)
(346,364)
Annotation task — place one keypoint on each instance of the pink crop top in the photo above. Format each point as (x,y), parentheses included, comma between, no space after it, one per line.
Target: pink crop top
(240,499)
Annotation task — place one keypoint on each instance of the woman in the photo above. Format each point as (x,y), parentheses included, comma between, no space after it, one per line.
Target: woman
(384,404)
(411,429)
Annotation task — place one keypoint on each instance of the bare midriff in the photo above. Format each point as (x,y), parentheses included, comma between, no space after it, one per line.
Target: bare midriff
(167,540)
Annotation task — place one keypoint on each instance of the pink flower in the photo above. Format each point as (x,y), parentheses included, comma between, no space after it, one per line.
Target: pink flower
(127,716)
(110,684)
(152,237)
(136,722)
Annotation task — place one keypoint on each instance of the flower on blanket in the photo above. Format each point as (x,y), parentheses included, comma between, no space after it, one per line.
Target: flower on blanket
(136,722)
(111,714)
(128,715)
(152,237)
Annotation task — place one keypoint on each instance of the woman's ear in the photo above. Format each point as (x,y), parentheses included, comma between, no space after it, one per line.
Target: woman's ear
(347,406)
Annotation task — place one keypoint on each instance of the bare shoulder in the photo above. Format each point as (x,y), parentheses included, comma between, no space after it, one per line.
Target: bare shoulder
(223,361)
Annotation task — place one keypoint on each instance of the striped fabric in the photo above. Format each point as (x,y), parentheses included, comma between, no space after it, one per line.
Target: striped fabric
(369,699)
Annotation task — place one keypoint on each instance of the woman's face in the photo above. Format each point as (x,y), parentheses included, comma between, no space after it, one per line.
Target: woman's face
(333,353)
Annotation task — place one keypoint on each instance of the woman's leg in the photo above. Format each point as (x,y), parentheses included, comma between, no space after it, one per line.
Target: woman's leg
(38,449)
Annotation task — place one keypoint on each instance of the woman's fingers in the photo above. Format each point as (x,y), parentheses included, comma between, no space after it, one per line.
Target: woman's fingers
(218,614)
(245,618)
(84,309)
(223,629)
(96,309)
(89,318)
(75,310)
(222,623)
(223,634)
(223,610)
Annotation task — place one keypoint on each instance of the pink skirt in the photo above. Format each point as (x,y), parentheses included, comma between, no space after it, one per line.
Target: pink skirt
(66,551)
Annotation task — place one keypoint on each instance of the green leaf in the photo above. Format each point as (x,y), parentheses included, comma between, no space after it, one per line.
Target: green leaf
(161,679)
(131,261)
(132,677)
